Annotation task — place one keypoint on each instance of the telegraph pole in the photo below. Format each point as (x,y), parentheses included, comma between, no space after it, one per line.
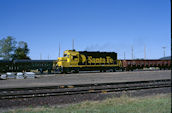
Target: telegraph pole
(48,56)
(40,56)
(164,50)
(145,52)
(124,55)
(73,44)
(59,49)
(132,52)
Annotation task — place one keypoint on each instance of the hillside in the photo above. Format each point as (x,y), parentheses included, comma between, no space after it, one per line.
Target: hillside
(166,58)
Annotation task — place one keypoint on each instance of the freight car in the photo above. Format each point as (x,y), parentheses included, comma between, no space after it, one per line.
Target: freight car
(26,65)
(74,61)
(140,64)
(5,66)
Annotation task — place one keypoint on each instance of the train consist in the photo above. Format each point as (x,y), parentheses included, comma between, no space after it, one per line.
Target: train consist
(75,61)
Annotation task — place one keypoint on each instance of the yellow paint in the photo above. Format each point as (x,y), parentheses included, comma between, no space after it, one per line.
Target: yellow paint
(100,60)
(70,86)
(104,91)
(91,90)
(73,58)
(61,86)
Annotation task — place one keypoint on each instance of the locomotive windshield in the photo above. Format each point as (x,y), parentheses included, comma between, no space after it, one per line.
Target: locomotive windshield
(65,55)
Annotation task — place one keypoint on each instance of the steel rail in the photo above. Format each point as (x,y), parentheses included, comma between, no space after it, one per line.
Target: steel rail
(82,89)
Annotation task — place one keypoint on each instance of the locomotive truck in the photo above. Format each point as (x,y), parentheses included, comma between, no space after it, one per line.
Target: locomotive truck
(75,61)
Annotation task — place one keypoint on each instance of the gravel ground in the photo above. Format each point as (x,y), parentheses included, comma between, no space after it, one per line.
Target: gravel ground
(85,78)
(64,100)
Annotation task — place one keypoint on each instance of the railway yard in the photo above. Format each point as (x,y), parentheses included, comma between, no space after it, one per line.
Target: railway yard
(85,56)
(50,89)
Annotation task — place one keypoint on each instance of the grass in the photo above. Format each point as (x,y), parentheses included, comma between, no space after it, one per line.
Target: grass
(124,104)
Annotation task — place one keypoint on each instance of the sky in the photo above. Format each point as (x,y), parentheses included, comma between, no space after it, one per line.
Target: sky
(94,25)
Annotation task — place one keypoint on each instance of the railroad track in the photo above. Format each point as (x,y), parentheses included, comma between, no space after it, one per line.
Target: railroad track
(31,92)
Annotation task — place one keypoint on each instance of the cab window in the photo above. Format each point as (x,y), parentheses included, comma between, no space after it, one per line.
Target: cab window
(75,58)
(65,55)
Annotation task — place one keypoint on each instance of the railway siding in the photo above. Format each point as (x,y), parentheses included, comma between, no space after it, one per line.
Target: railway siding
(13,93)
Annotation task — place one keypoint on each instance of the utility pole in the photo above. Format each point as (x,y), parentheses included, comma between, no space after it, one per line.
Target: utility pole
(124,55)
(59,49)
(73,44)
(164,50)
(145,52)
(132,52)
(48,56)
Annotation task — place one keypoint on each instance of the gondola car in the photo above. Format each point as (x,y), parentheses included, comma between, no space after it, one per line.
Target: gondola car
(140,64)
(27,65)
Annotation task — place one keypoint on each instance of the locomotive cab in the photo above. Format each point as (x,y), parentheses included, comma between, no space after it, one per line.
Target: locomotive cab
(70,59)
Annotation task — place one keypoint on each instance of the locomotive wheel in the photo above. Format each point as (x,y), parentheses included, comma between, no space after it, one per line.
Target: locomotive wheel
(111,70)
(49,71)
(122,69)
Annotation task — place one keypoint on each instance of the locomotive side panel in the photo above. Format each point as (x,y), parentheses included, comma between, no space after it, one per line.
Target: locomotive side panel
(98,58)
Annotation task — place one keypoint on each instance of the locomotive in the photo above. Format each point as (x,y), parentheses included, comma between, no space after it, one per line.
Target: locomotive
(75,61)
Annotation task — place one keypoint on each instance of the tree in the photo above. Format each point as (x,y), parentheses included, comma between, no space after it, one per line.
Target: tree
(7,47)
(21,51)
